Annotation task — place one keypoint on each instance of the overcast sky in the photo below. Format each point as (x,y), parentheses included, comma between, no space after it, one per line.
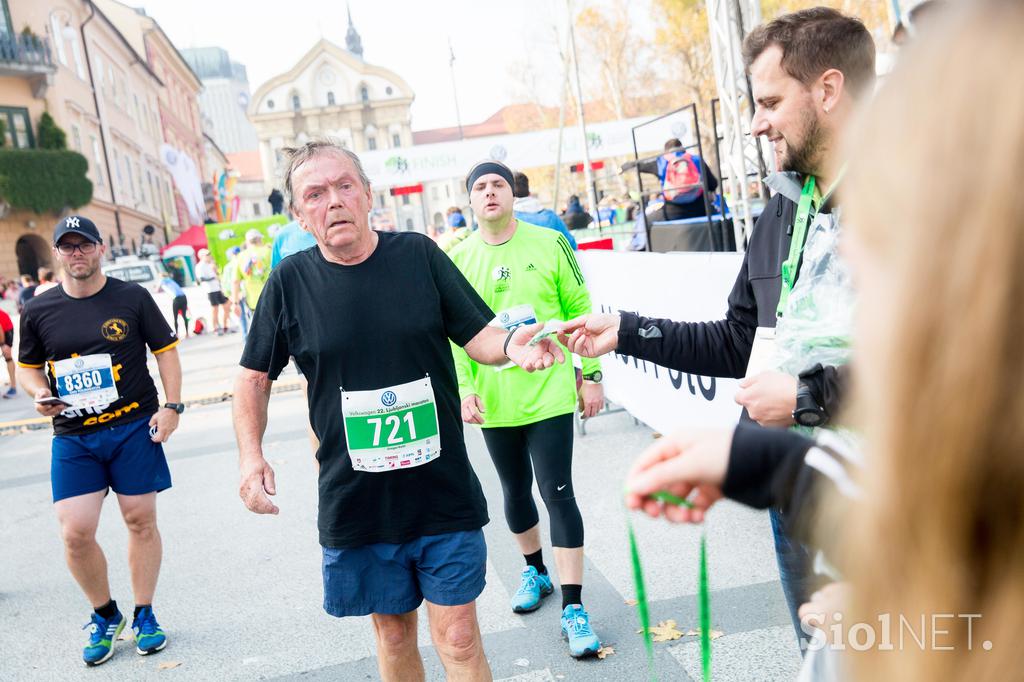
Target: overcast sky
(406,36)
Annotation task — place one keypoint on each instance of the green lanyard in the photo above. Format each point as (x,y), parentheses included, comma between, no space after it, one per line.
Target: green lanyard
(791,267)
(641,593)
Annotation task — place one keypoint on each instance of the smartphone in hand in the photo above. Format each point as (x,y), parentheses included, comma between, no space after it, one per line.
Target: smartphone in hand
(52,400)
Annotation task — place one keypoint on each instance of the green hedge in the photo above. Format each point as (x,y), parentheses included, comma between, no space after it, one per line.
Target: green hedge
(51,136)
(44,180)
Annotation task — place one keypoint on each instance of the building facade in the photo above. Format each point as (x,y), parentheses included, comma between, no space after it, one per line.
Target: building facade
(183,151)
(225,98)
(249,187)
(332,92)
(76,65)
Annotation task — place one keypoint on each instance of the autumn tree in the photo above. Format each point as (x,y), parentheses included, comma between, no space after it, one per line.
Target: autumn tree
(610,48)
(684,47)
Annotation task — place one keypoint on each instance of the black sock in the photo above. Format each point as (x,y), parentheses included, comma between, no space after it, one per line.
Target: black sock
(139,607)
(572,594)
(536,560)
(107,611)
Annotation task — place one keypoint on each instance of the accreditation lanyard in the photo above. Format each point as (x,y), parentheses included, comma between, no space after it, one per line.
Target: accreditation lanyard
(641,593)
(791,267)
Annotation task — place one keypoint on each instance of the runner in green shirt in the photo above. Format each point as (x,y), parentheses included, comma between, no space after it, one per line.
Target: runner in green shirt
(529,274)
(251,271)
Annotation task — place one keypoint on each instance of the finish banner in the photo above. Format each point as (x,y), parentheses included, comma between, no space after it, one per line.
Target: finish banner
(686,287)
(446,160)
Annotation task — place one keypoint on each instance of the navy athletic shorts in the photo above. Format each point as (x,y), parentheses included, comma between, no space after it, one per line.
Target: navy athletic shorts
(447,570)
(121,457)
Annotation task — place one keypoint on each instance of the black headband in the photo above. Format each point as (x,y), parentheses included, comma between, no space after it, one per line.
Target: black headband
(485,168)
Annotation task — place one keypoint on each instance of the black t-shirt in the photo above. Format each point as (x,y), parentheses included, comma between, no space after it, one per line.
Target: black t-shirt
(381,323)
(120,319)
(25,295)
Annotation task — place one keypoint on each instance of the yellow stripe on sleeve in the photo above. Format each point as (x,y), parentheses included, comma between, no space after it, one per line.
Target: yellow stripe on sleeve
(167,347)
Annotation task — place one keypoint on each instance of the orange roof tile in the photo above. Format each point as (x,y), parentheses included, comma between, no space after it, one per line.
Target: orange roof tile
(248,165)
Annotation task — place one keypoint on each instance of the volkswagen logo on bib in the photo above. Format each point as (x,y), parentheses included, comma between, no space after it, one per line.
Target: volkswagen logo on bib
(79,363)
(389,398)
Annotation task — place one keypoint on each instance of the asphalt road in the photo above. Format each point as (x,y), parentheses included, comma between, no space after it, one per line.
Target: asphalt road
(240,595)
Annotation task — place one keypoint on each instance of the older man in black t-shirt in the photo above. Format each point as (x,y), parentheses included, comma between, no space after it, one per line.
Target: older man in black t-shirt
(368,317)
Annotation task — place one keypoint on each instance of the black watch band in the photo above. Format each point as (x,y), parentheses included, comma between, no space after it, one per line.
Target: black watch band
(595,376)
(808,412)
(504,348)
(177,407)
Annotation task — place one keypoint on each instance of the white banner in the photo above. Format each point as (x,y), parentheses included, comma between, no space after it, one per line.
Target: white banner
(446,160)
(687,287)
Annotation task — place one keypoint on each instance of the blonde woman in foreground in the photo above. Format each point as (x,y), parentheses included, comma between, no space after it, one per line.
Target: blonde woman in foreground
(936,239)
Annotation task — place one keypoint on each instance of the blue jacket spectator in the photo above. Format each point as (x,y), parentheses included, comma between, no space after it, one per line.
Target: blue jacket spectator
(530,210)
(291,238)
(455,217)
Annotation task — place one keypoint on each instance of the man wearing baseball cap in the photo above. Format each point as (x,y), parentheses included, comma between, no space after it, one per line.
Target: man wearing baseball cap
(83,357)
(252,271)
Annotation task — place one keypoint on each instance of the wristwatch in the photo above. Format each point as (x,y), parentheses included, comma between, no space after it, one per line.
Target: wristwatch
(177,407)
(595,377)
(808,412)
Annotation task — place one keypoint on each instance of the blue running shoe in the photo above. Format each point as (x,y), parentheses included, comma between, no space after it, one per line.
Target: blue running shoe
(149,638)
(102,635)
(576,628)
(534,586)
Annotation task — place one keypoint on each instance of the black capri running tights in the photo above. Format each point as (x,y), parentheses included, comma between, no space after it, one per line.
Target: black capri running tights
(549,444)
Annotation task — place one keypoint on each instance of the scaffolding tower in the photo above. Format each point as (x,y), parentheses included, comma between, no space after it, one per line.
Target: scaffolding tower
(728,22)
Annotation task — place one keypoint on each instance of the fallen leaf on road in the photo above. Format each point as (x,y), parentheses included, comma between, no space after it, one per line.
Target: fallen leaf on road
(168,665)
(605,651)
(665,631)
(631,602)
(715,634)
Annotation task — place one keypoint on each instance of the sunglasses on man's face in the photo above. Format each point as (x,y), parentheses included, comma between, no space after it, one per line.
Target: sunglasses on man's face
(86,248)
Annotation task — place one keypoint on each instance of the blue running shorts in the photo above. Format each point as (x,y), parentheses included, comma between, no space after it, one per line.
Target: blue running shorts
(447,570)
(121,457)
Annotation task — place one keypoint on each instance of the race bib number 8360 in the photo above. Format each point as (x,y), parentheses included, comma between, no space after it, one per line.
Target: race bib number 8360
(86,381)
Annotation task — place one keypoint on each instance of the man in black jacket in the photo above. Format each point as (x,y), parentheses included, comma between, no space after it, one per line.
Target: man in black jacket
(808,70)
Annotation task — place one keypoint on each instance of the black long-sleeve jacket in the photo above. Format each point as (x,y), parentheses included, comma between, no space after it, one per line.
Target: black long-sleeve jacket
(722,348)
(782,469)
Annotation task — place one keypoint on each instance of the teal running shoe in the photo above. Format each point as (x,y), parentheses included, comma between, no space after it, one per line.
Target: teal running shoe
(576,628)
(149,638)
(534,586)
(102,635)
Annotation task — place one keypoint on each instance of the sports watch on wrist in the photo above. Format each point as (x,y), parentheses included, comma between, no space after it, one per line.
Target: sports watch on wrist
(808,412)
(594,377)
(177,407)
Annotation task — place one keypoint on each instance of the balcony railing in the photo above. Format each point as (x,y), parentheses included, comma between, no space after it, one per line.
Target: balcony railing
(25,51)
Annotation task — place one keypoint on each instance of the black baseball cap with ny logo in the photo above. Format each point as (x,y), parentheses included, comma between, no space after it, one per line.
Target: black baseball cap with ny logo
(78,225)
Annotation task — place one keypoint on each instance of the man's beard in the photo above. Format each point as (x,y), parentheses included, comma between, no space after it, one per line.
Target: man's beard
(89,271)
(803,158)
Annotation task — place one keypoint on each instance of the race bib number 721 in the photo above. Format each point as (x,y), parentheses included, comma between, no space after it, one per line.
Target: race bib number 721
(391,428)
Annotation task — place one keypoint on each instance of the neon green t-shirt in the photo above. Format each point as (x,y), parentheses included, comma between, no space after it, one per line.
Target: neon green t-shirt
(533,275)
(252,269)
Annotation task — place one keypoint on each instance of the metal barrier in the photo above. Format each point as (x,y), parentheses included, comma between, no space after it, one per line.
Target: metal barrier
(43,423)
